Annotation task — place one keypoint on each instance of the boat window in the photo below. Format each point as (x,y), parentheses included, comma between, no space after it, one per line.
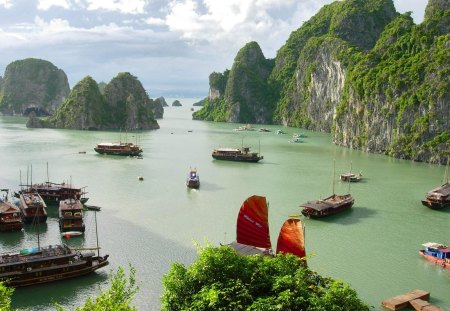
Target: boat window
(68,213)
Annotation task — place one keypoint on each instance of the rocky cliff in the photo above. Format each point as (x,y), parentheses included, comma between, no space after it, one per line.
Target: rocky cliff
(32,85)
(124,105)
(357,69)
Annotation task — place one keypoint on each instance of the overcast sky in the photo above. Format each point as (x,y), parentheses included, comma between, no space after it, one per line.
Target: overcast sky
(170,46)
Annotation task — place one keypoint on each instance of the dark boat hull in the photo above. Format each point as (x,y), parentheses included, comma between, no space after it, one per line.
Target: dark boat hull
(241,158)
(194,184)
(120,153)
(337,207)
(435,205)
(15,226)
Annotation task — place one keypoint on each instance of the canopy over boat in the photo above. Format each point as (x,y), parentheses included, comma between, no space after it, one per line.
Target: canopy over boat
(253,224)
(291,239)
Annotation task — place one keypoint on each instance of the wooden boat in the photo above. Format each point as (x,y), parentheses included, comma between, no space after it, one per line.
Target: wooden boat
(439,197)
(37,265)
(32,207)
(53,193)
(93,207)
(350,177)
(231,154)
(263,129)
(10,217)
(436,253)
(71,216)
(329,206)
(122,149)
(193,179)
(252,231)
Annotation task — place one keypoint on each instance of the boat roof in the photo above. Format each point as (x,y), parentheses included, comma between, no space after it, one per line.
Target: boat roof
(318,205)
(247,250)
(114,144)
(7,207)
(444,190)
(227,149)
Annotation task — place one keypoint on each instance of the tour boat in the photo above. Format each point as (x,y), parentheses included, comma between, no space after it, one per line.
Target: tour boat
(439,197)
(32,207)
(123,149)
(37,265)
(252,231)
(232,154)
(331,205)
(193,179)
(10,217)
(436,253)
(350,177)
(71,216)
(53,193)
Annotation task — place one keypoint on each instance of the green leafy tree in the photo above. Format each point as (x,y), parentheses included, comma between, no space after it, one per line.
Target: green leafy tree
(5,297)
(118,297)
(221,279)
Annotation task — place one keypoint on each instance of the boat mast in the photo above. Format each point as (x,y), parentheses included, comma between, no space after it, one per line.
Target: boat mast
(350,177)
(96,234)
(446,171)
(334,172)
(48,178)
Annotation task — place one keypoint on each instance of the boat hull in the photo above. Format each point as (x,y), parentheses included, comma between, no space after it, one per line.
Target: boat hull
(194,184)
(15,226)
(118,152)
(237,158)
(334,208)
(435,204)
(444,263)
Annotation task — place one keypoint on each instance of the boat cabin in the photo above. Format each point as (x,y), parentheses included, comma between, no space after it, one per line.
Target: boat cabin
(437,250)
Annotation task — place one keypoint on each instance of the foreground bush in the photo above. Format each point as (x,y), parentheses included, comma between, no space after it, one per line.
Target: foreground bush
(221,279)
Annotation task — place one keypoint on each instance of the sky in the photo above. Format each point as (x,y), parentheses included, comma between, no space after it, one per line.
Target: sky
(170,46)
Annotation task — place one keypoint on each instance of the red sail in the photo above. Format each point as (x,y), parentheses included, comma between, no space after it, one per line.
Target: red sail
(291,239)
(253,224)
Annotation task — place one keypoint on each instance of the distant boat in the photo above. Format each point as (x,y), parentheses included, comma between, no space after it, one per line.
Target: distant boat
(242,154)
(53,193)
(71,216)
(122,149)
(37,265)
(93,207)
(295,140)
(263,129)
(193,179)
(10,217)
(278,132)
(246,127)
(252,231)
(329,206)
(350,177)
(436,253)
(439,197)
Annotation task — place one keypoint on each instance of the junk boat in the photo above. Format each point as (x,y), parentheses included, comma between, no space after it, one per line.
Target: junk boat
(37,265)
(232,154)
(71,216)
(439,197)
(10,217)
(193,179)
(53,193)
(436,253)
(123,149)
(350,177)
(32,207)
(252,231)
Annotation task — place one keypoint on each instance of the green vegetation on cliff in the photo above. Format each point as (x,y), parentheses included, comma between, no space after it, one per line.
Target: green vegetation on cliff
(32,84)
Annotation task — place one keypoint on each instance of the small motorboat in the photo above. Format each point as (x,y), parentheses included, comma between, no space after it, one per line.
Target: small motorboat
(93,207)
(69,234)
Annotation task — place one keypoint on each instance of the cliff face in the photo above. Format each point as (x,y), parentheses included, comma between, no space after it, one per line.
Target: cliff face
(32,85)
(363,72)
(125,105)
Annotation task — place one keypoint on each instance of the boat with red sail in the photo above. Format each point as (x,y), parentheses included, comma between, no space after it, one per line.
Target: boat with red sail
(253,236)
(436,253)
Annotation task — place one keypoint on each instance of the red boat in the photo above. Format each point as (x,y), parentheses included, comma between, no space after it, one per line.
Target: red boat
(10,217)
(252,231)
(437,253)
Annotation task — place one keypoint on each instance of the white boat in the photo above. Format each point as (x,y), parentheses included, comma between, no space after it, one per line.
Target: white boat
(69,234)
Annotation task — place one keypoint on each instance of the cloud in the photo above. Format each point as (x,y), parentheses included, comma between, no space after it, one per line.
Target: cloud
(45,5)
(6,3)
(122,6)
(155,21)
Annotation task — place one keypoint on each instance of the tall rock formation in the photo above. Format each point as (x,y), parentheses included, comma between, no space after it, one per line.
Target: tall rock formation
(125,105)
(32,85)
(363,72)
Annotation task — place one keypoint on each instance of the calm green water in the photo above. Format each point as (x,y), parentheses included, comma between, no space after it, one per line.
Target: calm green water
(153,223)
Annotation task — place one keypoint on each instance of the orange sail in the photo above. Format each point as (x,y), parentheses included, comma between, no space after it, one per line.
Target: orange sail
(291,239)
(253,224)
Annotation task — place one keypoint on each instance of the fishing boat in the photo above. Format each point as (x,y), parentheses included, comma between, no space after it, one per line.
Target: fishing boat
(122,149)
(54,193)
(37,265)
(436,253)
(193,179)
(71,216)
(32,207)
(242,154)
(93,207)
(350,177)
(331,205)
(439,197)
(10,217)
(252,231)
